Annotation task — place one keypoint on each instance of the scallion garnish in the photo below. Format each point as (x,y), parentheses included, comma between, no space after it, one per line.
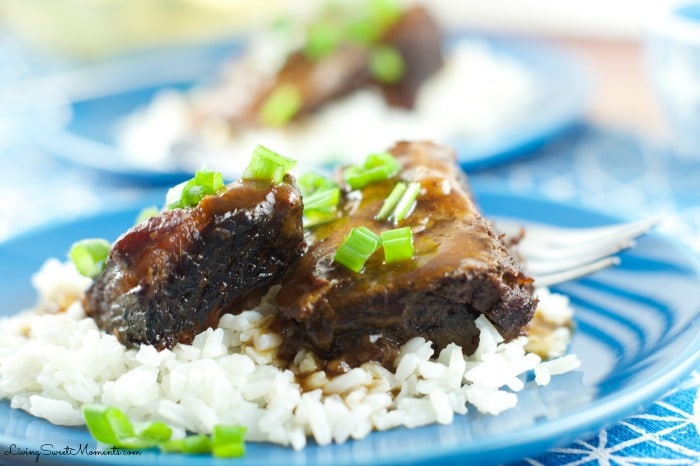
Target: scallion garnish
(322,39)
(321,197)
(404,206)
(386,64)
(390,202)
(324,200)
(189,193)
(377,167)
(314,218)
(397,244)
(267,165)
(384,13)
(281,106)
(357,247)
(89,256)
(111,426)
(228,441)
(311,182)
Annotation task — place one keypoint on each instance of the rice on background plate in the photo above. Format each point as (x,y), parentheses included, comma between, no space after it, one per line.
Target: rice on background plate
(500,92)
(54,359)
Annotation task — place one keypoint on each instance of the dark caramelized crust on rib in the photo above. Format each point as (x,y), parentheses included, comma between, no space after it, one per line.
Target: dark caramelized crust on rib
(460,270)
(173,275)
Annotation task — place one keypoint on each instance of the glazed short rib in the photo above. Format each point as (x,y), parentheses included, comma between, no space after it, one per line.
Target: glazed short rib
(173,275)
(461,269)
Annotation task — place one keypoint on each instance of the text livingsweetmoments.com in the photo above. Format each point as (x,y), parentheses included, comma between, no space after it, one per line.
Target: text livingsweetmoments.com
(49,449)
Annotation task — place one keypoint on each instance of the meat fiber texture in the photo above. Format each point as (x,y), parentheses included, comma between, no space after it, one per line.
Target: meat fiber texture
(173,276)
(460,270)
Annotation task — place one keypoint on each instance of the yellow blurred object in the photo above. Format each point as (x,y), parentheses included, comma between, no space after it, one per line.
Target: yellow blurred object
(98,28)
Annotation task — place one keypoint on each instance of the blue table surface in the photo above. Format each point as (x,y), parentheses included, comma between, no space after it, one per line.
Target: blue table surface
(604,169)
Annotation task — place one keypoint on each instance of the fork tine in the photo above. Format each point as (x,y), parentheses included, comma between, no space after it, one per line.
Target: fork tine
(547,235)
(546,264)
(574,273)
(557,254)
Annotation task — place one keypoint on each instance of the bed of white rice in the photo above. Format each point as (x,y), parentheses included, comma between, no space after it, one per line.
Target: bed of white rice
(53,360)
(477,94)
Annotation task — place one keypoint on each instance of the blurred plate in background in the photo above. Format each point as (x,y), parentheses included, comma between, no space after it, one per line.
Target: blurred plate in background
(557,101)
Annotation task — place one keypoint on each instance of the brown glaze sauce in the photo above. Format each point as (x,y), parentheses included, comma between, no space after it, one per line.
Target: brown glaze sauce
(447,238)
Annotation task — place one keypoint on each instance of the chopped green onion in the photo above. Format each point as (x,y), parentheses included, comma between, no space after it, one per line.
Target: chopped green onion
(311,182)
(324,200)
(314,218)
(228,441)
(195,444)
(157,431)
(101,420)
(192,444)
(398,244)
(189,193)
(387,64)
(376,17)
(405,205)
(377,167)
(390,202)
(109,425)
(89,256)
(321,197)
(146,213)
(267,165)
(356,248)
(281,106)
(384,13)
(322,39)
(363,32)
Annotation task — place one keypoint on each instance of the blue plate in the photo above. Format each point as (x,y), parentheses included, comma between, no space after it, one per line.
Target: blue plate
(638,333)
(89,139)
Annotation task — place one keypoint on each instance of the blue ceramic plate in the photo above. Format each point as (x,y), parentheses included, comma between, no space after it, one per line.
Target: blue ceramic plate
(638,332)
(89,139)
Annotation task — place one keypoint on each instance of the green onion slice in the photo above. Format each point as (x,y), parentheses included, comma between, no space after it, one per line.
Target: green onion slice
(189,193)
(323,200)
(398,244)
(390,202)
(322,207)
(89,256)
(322,39)
(228,441)
(405,204)
(387,64)
(384,13)
(281,106)
(321,197)
(311,182)
(377,167)
(267,165)
(314,218)
(109,425)
(357,247)
(156,431)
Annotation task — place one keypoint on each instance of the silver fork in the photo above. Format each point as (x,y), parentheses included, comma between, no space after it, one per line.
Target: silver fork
(555,254)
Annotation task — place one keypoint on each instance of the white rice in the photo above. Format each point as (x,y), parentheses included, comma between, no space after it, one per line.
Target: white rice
(477,94)
(53,360)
